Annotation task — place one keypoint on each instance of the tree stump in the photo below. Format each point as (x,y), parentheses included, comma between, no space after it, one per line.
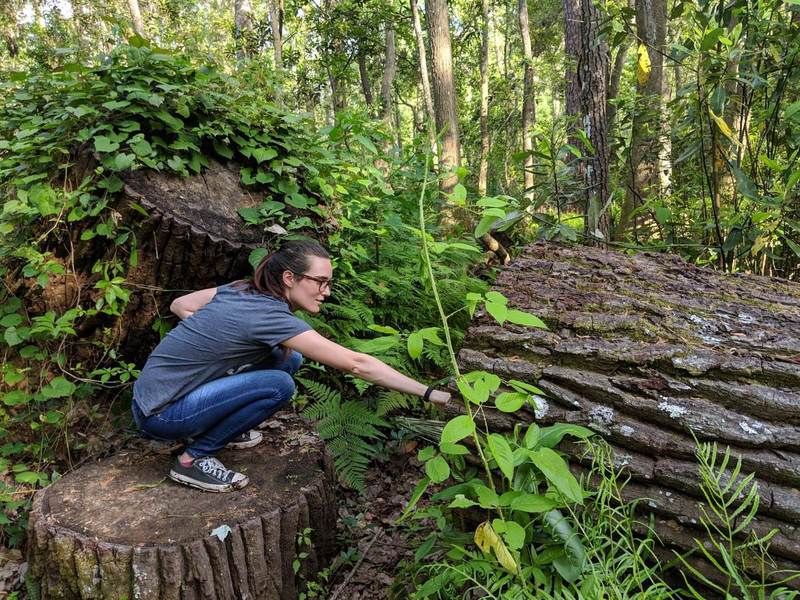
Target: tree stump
(645,348)
(117,529)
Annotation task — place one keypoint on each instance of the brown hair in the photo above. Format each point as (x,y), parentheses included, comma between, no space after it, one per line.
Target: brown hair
(291,255)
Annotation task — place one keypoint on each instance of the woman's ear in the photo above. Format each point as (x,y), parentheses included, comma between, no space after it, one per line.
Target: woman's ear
(288,279)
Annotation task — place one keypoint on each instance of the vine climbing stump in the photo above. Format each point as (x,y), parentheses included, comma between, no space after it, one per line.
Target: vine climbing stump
(117,528)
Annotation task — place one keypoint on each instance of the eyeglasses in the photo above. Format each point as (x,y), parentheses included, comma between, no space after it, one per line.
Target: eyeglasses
(322,281)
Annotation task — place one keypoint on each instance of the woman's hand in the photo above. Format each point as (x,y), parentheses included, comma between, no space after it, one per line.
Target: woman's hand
(439,398)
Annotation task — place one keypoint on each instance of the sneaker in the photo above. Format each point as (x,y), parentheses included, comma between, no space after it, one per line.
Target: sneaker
(247,440)
(209,474)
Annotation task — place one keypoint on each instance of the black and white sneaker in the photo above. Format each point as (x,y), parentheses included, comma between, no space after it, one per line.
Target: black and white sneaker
(247,440)
(209,474)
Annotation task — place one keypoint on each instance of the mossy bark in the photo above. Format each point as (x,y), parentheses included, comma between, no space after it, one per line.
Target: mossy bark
(646,349)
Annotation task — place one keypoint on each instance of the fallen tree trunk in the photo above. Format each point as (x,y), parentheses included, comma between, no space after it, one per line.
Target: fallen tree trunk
(117,529)
(646,349)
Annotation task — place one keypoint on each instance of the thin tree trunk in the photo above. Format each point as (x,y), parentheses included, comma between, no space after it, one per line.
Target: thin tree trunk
(483,169)
(136,16)
(276,12)
(243,26)
(528,99)
(366,86)
(426,86)
(573,50)
(651,28)
(444,95)
(614,81)
(389,71)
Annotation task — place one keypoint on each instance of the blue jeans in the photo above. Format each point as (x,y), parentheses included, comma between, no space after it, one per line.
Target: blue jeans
(222,409)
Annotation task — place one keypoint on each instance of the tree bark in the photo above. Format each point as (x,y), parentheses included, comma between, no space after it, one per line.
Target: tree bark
(242,27)
(528,100)
(366,86)
(425,82)
(614,81)
(573,49)
(115,529)
(136,17)
(276,16)
(389,72)
(648,350)
(483,167)
(651,29)
(444,96)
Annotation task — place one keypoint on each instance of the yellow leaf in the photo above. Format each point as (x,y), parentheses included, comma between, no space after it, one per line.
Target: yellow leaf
(487,539)
(723,126)
(643,66)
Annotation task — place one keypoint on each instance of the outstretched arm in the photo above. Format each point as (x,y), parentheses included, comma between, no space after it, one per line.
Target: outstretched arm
(186,306)
(323,350)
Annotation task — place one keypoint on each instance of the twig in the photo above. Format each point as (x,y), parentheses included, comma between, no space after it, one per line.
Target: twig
(355,568)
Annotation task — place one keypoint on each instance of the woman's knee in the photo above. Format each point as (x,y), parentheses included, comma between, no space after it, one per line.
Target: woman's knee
(293,362)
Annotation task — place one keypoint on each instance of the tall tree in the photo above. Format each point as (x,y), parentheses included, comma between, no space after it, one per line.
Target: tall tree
(528,99)
(444,91)
(483,168)
(242,26)
(136,16)
(363,73)
(276,16)
(587,79)
(425,82)
(389,72)
(643,171)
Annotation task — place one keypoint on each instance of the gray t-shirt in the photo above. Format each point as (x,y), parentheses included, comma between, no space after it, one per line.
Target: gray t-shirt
(234,331)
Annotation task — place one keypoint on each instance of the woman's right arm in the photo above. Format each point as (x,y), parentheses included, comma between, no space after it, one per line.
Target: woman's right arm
(186,306)
(322,350)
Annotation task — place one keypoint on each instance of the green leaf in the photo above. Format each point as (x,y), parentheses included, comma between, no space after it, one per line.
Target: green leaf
(437,469)
(123,161)
(427,453)
(461,501)
(30,477)
(663,215)
(501,451)
(472,302)
(376,345)
(251,215)
(498,311)
(415,344)
(492,203)
(551,436)
(519,317)
(532,436)
(59,387)
(459,195)
(557,472)
(521,386)
(457,429)
(11,320)
(103,144)
(142,148)
(487,497)
(297,201)
(510,401)
(532,503)
(174,123)
(16,397)
(223,150)
(263,154)
(484,225)
(11,336)
(454,449)
(256,256)
(513,533)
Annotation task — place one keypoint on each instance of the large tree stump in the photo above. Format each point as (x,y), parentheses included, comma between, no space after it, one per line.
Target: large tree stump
(117,529)
(643,349)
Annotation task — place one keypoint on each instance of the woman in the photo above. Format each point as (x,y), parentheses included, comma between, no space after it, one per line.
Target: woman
(228,365)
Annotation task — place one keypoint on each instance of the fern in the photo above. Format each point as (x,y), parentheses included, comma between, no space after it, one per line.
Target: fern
(347,428)
(389,401)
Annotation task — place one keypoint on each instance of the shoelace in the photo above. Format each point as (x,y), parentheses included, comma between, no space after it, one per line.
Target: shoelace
(211,466)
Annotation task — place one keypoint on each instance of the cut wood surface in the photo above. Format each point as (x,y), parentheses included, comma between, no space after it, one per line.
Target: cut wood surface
(117,528)
(644,349)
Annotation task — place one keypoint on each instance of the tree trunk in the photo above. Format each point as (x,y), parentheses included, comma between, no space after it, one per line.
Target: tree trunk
(389,71)
(276,16)
(614,81)
(116,529)
(444,96)
(366,86)
(483,167)
(242,27)
(704,353)
(528,100)
(573,49)
(426,86)
(136,17)
(644,181)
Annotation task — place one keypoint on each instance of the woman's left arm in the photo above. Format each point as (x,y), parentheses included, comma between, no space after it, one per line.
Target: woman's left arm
(186,306)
